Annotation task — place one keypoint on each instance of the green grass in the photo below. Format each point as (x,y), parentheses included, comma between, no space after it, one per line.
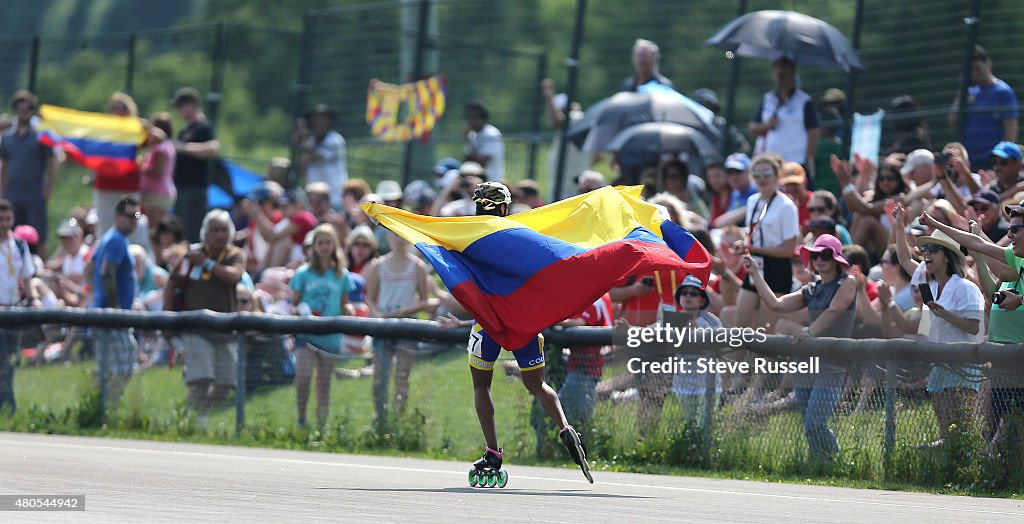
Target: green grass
(441,423)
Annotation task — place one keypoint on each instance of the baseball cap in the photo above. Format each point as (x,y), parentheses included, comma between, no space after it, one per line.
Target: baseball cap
(916,159)
(186,94)
(737,162)
(985,196)
(833,95)
(27,233)
(260,194)
(389,190)
(1007,150)
(472,168)
(446,165)
(69,228)
(793,173)
(1015,210)
(318,188)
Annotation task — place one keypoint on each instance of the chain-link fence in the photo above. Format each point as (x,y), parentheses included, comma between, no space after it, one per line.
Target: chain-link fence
(848,414)
(497,51)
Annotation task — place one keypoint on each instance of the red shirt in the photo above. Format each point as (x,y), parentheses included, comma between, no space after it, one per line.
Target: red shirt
(304,221)
(643,311)
(588,358)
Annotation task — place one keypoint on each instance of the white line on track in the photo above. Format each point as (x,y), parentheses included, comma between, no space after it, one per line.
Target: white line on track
(545,479)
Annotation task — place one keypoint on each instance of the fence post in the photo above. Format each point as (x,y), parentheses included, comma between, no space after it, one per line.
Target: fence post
(890,417)
(573,64)
(33,63)
(730,94)
(300,88)
(240,369)
(972,21)
(102,365)
(423,19)
(851,84)
(538,105)
(216,71)
(130,68)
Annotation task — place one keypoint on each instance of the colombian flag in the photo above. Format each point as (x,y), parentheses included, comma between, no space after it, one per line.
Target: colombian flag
(105,144)
(520,274)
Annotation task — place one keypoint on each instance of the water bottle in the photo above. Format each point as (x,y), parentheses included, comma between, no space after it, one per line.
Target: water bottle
(197,271)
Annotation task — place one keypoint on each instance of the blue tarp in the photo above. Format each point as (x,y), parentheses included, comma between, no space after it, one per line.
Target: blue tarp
(242,182)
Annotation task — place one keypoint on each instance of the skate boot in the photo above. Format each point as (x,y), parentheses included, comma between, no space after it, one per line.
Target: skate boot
(574,444)
(487,472)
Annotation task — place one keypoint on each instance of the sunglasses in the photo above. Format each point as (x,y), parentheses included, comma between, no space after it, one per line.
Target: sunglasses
(817,209)
(687,293)
(1000,161)
(930,248)
(1014,230)
(824,256)
(763,173)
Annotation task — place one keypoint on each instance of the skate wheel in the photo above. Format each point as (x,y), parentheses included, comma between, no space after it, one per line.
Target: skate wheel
(492,479)
(502,478)
(473,478)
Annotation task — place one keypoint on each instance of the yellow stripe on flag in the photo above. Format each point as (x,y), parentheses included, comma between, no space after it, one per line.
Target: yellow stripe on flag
(71,123)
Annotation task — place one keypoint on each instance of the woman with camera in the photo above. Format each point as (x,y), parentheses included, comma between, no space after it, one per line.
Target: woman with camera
(1006,318)
(956,307)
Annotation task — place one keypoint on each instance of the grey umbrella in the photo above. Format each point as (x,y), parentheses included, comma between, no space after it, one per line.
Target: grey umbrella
(774,34)
(663,137)
(623,110)
(643,145)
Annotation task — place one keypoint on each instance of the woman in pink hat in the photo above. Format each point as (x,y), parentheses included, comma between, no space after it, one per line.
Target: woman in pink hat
(830,300)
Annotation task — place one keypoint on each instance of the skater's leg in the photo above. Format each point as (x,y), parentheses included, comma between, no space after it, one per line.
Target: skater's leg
(484,405)
(304,361)
(324,375)
(534,382)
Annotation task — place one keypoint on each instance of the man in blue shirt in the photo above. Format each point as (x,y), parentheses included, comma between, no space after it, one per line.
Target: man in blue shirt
(114,284)
(992,111)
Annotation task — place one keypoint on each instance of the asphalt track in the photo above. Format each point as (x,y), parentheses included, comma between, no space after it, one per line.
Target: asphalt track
(144,482)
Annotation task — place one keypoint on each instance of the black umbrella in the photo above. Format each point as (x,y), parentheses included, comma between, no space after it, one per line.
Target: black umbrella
(774,34)
(602,122)
(661,138)
(643,145)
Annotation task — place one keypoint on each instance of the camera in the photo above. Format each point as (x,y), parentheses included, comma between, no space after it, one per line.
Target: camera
(999,296)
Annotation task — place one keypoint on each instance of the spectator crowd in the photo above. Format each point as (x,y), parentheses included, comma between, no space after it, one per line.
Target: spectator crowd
(919,243)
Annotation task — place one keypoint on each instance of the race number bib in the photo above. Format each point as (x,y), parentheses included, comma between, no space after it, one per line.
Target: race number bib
(476,344)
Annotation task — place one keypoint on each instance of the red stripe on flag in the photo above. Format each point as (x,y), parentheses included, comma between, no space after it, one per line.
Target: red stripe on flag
(568,286)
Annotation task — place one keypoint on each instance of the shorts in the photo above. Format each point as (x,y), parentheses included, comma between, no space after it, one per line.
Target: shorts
(116,350)
(212,356)
(778,274)
(153,200)
(483,351)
